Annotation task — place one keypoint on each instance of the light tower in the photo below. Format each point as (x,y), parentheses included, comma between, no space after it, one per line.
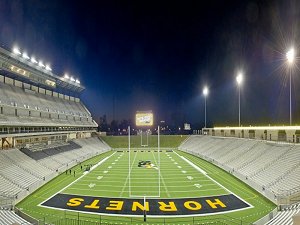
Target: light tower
(205,93)
(239,80)
(290,56)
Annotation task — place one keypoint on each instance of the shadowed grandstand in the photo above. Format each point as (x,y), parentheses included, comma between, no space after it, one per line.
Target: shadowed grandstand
(50,150)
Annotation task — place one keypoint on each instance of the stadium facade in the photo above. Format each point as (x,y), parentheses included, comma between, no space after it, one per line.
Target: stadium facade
(37,106)
(42,116)
(268,133)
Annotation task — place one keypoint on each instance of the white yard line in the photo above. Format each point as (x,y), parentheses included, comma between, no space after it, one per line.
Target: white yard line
(92,168)
(124,186)
(109,190)
(85,173)
(143,186)
(203,172)
(162,178)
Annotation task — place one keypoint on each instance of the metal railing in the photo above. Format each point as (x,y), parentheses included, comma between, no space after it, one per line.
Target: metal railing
(85,219)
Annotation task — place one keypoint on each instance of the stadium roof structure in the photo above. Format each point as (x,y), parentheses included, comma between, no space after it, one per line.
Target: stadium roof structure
(20,68)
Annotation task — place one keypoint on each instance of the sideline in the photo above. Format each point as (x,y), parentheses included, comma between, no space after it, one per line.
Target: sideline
(86,172)
(202,171)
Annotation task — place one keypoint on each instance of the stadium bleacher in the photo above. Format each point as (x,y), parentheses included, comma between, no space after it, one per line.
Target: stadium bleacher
(45,129)
(284,217)
(273,166)
(270,166)
(21,172)
(12,97)
(9,217)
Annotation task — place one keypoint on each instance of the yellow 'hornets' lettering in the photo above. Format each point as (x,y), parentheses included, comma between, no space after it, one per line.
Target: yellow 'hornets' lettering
(192,205)
(75,202)
(115,205)
(93,205)
(214,204)
(167,207)
(136,205)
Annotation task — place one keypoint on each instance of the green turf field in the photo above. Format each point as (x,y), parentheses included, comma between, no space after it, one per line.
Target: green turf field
(166,141)
(178,178)
(181,176)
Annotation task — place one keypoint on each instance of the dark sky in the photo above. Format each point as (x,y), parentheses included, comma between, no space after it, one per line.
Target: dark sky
(158,55)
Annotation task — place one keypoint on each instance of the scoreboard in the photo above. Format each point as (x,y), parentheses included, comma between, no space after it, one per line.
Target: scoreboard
(144,118)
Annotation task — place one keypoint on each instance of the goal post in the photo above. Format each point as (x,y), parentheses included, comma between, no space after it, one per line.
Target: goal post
(153,190)
(129,165)
(144,143)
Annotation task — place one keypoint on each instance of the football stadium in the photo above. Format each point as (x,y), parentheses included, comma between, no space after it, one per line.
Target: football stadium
(57,169)
(170,156)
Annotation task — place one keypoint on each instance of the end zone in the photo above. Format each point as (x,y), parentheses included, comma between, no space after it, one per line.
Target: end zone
(155,207)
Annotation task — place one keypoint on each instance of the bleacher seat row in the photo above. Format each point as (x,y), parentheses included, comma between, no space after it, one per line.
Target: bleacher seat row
(40,106)
(285,217)
(23,171)
(8,217)
(273,166)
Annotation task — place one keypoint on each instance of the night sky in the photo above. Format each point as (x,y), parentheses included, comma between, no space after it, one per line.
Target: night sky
(158,55)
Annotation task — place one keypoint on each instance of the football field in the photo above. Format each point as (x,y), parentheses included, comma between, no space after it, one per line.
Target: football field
(170,187)
(158,183)
(178,178)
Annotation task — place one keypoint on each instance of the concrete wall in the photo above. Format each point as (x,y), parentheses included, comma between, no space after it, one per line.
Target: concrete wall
(296,219)
(281,134)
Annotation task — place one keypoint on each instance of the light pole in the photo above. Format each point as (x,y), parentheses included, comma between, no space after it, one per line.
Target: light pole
(239,80)
(290,55)
(205,93)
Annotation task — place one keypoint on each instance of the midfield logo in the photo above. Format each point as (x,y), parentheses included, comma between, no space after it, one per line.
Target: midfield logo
(146,164)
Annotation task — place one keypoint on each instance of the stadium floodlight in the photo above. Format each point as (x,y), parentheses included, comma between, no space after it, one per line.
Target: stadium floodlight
(77,81)
(16,51)
(205,93)
(41,64)
(239,80)
(66,76)
(33,60)
(48,67)
(290,56)
(25,56)
(72,79)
